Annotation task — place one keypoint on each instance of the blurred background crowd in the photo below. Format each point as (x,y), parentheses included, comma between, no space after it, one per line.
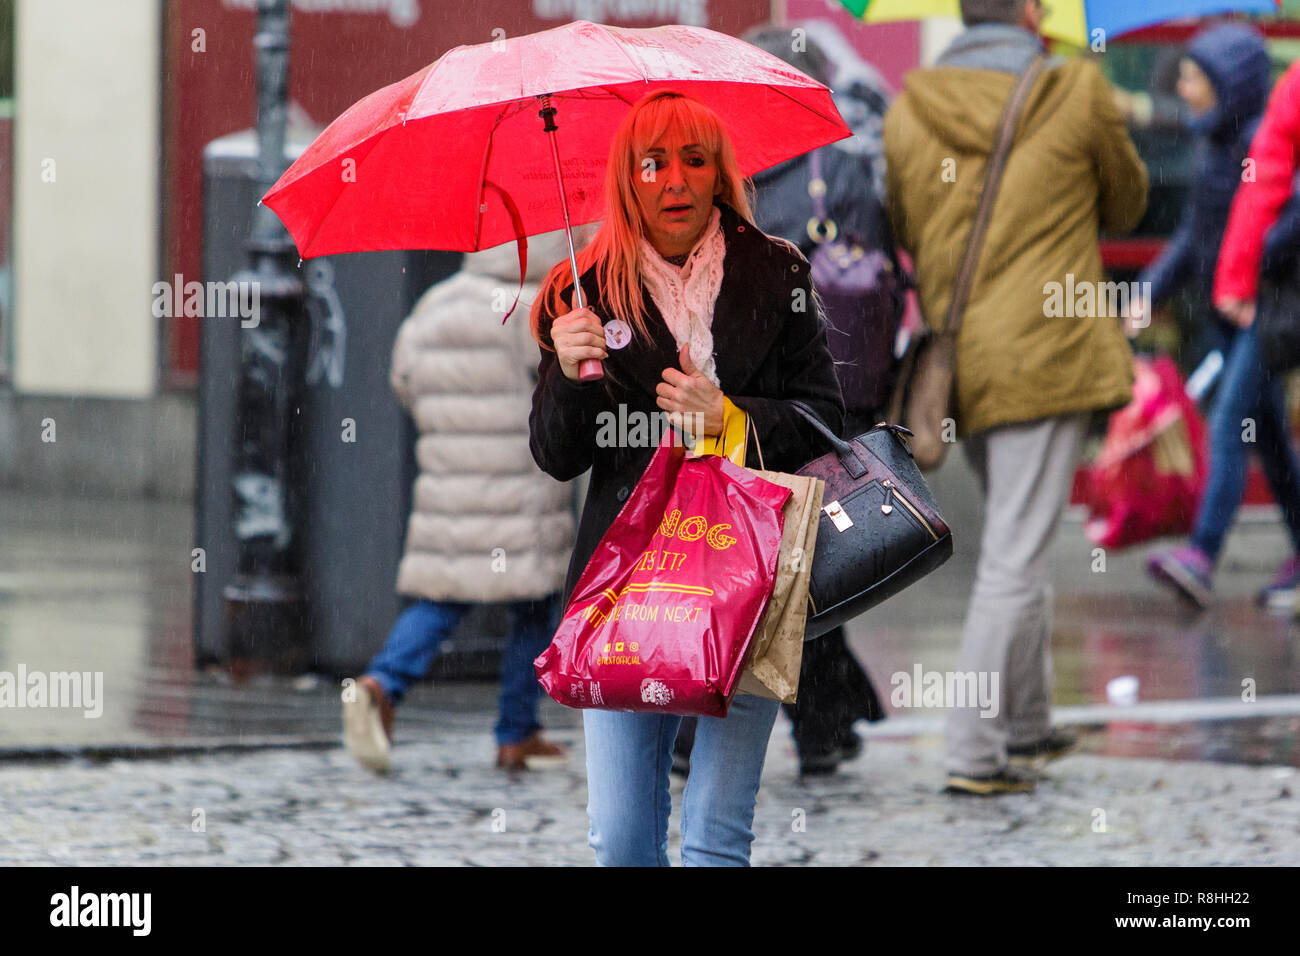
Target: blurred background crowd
(126,151)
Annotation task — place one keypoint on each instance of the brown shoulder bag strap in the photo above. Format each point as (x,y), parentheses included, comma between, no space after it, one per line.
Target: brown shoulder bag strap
(988,195)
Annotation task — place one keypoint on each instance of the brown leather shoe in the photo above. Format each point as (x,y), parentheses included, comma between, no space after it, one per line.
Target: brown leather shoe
(535,748)
(368,724)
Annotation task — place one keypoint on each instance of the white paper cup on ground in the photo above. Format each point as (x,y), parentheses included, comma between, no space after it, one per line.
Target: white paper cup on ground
(1123,691)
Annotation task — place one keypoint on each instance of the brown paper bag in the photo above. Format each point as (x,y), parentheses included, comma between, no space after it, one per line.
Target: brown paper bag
(777,650)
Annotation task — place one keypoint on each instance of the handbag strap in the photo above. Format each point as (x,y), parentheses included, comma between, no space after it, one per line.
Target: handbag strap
(753,430)
(849,458)
(847,454)
(841,447)
(988,194)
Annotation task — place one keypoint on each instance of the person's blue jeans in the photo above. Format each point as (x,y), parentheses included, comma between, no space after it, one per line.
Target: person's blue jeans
(419,632)
(628,802)
(1247,392)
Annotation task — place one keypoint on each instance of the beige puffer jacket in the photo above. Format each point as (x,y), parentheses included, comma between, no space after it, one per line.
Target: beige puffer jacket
(486,524)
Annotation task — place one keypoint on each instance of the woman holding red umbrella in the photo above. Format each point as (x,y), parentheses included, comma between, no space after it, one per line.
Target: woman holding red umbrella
(688,303)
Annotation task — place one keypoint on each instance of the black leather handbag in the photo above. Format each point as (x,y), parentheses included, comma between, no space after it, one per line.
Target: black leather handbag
(879,529)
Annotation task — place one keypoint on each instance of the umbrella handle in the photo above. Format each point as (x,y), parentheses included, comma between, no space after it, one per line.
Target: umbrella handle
(589,370)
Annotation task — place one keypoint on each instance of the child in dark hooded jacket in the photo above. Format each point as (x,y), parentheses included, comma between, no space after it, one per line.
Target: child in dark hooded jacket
(1225,79)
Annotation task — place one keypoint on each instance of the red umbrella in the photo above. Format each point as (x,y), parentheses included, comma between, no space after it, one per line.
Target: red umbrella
(454,157)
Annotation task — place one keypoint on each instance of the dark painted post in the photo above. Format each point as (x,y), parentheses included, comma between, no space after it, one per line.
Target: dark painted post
(265,609)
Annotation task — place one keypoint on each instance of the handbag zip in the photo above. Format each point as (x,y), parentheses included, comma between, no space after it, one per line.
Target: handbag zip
(890,488)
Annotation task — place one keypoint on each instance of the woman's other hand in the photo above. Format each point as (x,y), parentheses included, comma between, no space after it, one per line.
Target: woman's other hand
(687,393)
(577,336)
(1137,318)
(1239,312)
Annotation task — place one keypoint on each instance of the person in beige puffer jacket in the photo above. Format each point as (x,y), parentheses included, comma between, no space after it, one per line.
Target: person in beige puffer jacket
(486,524)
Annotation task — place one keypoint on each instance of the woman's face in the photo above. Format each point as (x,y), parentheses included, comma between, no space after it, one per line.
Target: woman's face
(1195,87)
(675,184)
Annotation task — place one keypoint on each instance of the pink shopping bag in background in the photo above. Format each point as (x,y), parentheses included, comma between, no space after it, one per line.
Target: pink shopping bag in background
(1149,477)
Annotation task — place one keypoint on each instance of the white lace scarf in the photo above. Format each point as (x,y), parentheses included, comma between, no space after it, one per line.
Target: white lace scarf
(685,296)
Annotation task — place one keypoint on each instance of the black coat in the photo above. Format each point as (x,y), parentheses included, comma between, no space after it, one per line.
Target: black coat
(766,352)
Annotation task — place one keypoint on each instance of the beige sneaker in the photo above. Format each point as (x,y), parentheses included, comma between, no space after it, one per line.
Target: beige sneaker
(368,725)
(1007,780)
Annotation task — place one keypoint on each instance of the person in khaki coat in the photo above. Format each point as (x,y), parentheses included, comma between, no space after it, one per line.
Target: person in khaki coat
(486,524)
(1031,364)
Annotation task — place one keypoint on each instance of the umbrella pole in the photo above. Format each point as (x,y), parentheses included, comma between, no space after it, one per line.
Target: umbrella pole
(589,370)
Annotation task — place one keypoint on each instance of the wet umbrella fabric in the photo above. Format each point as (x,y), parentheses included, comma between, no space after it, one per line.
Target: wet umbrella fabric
(438,160)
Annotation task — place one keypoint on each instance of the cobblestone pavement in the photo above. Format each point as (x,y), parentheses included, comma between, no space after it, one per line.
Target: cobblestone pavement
(445,804)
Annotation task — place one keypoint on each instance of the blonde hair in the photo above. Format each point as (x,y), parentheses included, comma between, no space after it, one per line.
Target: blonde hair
(615,250)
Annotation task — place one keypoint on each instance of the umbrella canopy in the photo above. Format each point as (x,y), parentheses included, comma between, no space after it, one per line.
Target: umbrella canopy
(1069,20)
(414,165)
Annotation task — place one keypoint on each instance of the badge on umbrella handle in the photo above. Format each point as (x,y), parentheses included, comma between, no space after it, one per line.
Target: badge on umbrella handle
(617,336)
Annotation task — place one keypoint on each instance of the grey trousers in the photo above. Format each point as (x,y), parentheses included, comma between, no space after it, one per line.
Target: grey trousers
(1026,471)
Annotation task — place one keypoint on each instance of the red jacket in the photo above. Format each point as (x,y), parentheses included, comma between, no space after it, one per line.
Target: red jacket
(1256,205)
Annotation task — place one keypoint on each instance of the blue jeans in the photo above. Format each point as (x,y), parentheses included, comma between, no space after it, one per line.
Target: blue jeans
(414,640)
(628,758)
(1247,390)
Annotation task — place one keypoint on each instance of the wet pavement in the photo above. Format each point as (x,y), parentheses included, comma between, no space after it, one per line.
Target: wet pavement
(445,804)
(1197,769)
(95,585)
